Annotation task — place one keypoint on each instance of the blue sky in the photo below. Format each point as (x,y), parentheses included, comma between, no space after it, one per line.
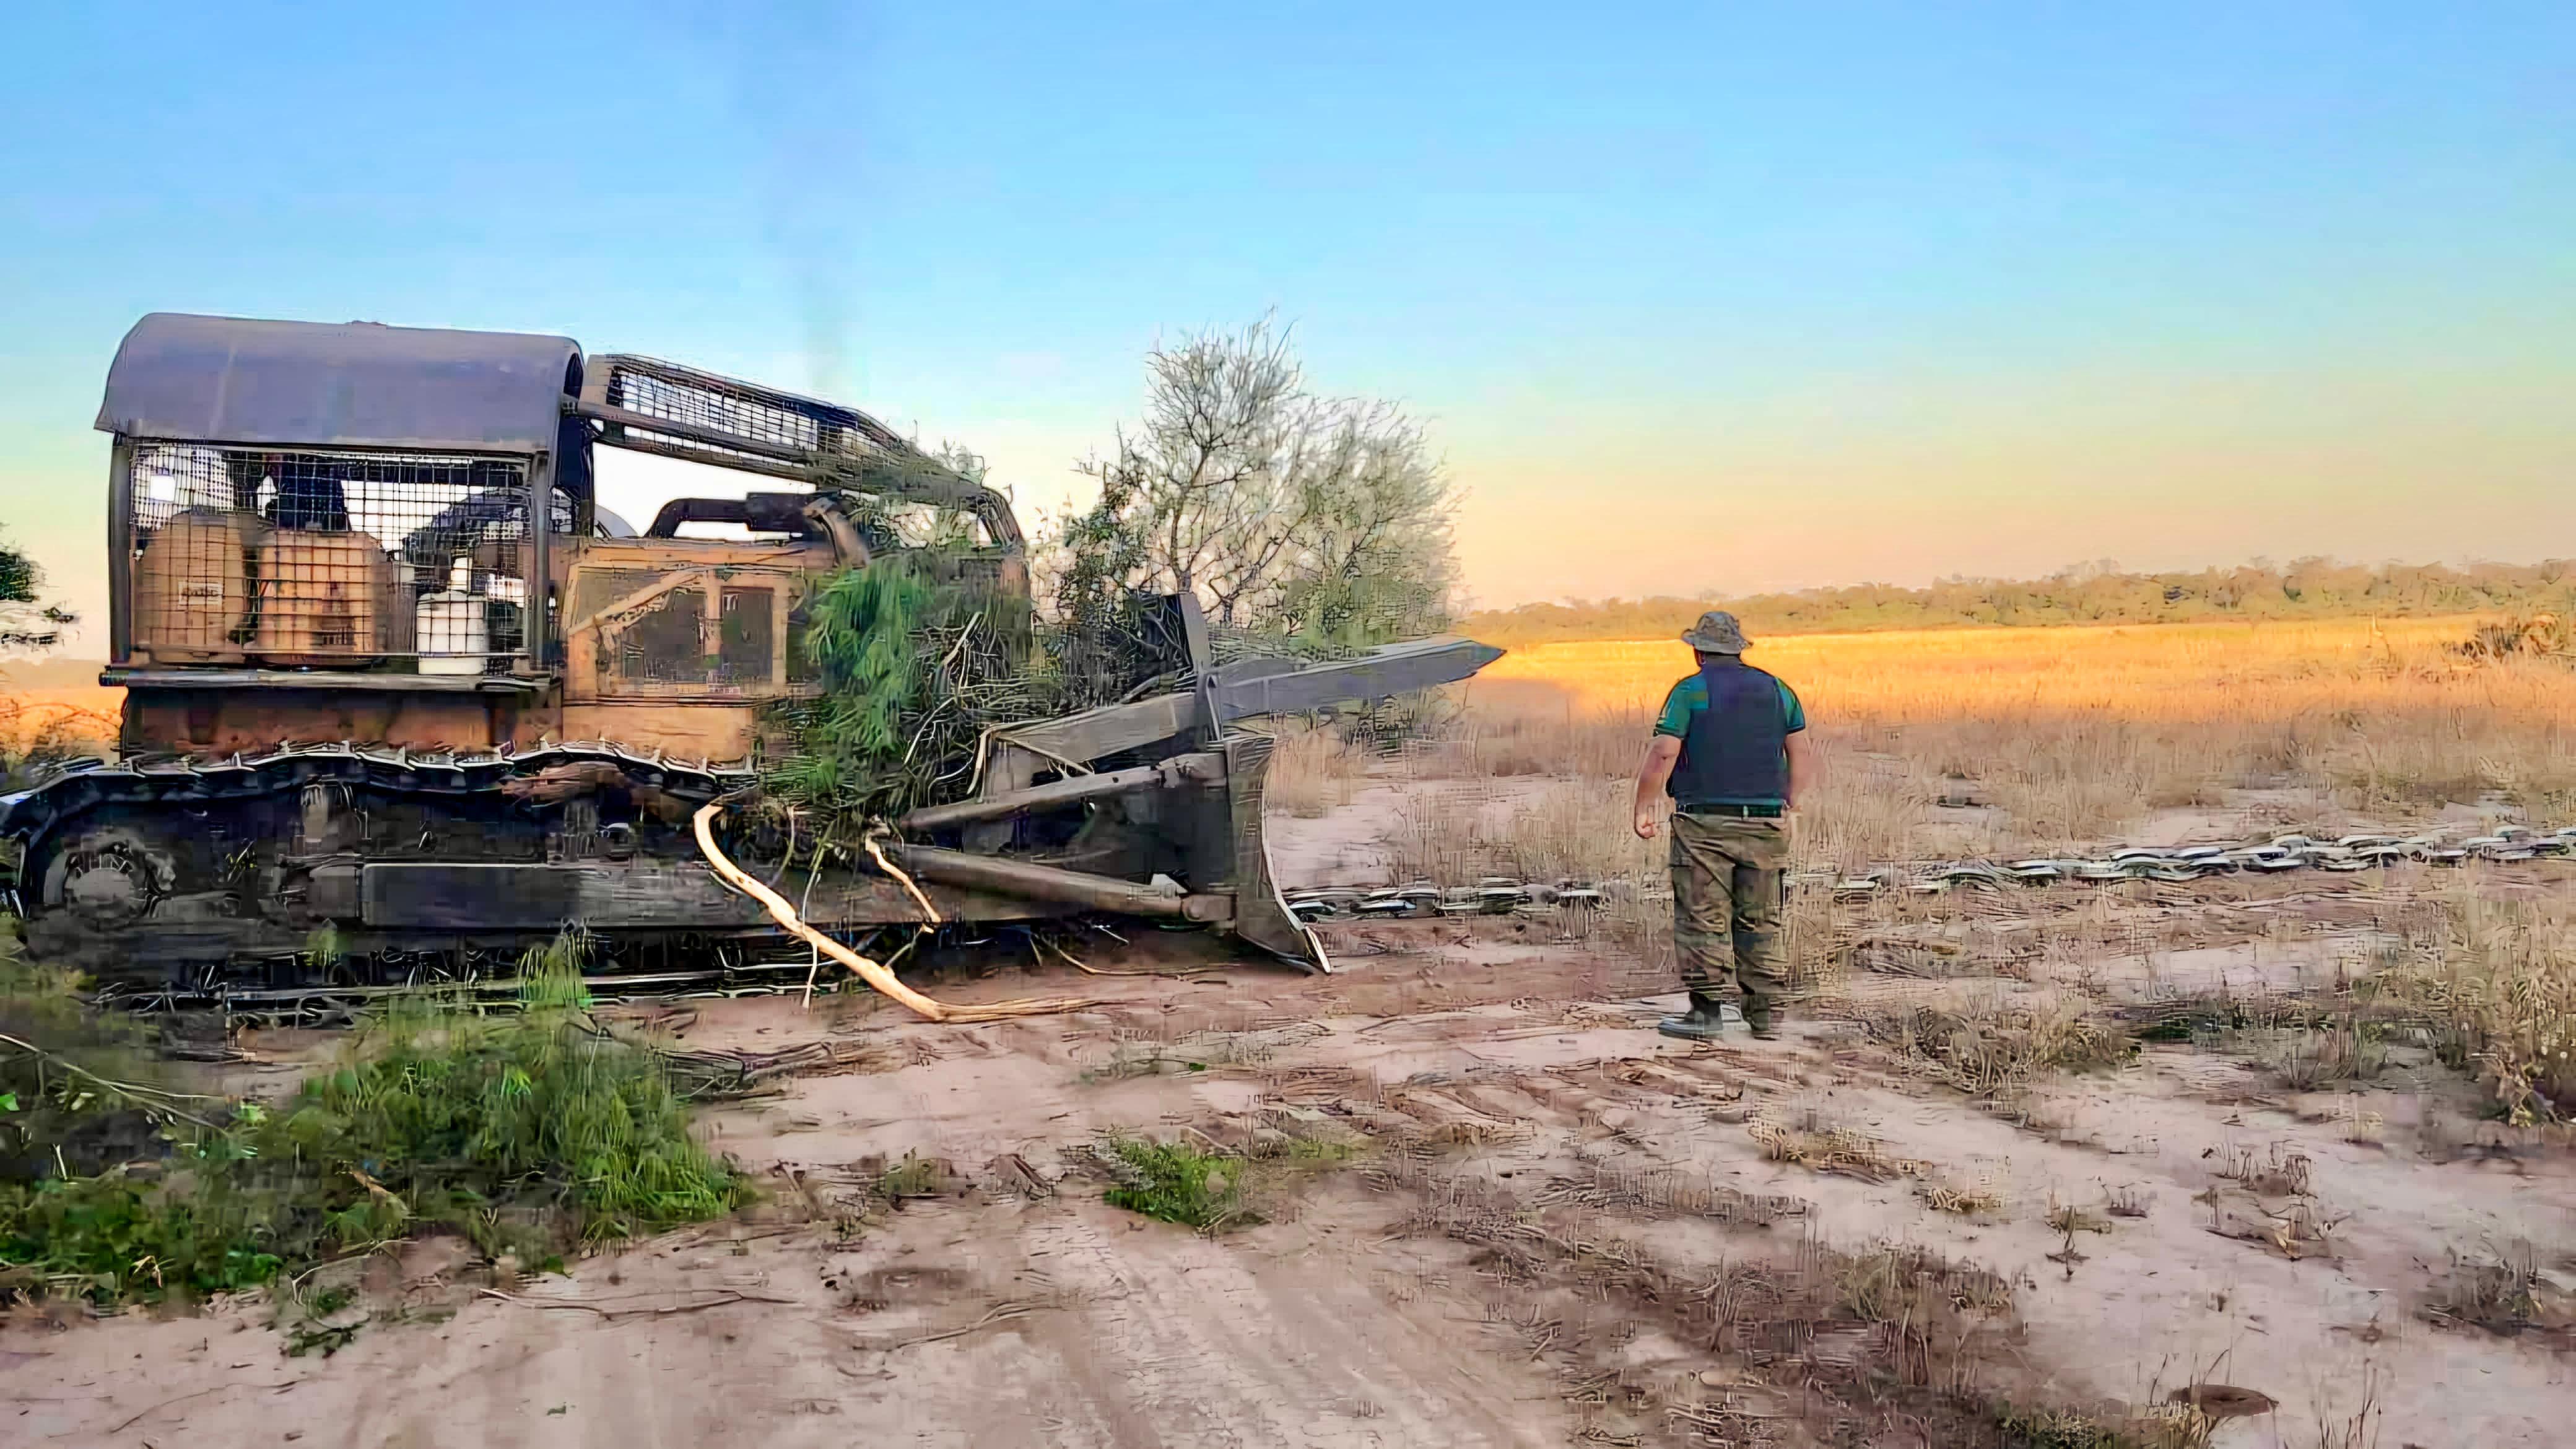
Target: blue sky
(1695,297)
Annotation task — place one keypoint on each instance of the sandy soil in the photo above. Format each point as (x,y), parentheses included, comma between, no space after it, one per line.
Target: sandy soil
(1559,1227)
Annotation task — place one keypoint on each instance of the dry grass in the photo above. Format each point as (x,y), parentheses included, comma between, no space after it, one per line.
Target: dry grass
(2073,737)
(1989,1043)
(1821,1146)
(2076,733)
(1980,1198)
(1313,772)
(58,720)
(1536,830)
(2497,978)
(2503,1290)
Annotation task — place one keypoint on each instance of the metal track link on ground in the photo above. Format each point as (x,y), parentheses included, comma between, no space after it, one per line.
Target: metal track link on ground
(1499,895)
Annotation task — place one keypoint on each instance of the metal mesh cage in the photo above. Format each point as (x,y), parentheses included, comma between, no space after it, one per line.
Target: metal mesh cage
(329,559)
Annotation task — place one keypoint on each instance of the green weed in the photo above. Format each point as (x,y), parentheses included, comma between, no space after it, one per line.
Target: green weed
(524,1133)
(1174,1182)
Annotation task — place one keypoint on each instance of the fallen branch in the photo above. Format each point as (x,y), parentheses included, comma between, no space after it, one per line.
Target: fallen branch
(874,973)
(1000,1313)
(153,1099)
(195,1394)
(655,1311)
(890,868)
(785,915)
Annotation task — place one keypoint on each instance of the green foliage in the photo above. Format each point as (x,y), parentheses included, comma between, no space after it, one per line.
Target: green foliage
(26,624)
(19,576)
(1174,1182)
(508,1129)
(2095,594)
(81,1093)
(1290,515)
(524,1133)
(918,659)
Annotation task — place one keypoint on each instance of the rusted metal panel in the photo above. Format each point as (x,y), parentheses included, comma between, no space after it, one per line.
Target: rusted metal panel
(669,619)
(695,730)
(188,378)
(222,721)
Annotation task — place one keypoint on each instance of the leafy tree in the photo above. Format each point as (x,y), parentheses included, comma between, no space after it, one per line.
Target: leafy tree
(1286,513)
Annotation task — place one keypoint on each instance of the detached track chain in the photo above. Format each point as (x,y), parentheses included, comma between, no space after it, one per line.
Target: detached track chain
(1499,895)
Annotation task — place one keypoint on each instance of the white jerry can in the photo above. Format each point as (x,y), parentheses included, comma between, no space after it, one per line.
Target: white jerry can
(455,633)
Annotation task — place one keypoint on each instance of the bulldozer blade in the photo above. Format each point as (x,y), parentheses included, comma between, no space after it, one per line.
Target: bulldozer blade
(1261,914)
(1265,686)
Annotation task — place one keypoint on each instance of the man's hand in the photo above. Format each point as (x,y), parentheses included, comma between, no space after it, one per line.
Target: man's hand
(1651,775)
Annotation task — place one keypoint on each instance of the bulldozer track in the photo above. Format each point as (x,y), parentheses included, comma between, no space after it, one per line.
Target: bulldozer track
(31,814)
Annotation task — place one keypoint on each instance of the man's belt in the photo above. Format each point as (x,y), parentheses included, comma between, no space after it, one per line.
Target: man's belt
(1737,812)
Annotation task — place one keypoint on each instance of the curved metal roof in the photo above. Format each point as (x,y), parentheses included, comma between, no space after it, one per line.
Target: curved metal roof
(179,377)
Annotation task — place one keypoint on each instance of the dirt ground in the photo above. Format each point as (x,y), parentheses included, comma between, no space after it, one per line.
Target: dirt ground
(1552,1225)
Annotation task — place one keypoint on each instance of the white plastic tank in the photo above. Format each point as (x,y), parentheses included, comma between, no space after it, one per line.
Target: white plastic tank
(454,633)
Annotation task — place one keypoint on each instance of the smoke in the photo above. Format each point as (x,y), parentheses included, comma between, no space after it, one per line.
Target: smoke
(799,73)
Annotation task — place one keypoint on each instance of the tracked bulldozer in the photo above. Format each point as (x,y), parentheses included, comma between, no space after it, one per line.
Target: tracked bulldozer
(397,684)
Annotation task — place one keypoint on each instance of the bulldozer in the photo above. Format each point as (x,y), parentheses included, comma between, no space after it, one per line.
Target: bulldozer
(397,683)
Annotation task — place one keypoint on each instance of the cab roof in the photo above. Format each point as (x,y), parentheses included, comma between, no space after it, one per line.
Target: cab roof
(185,378)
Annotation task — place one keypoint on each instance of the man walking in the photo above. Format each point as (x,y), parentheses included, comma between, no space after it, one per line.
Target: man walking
(1731,750)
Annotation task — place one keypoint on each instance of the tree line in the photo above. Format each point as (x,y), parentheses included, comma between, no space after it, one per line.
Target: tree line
(2100,593)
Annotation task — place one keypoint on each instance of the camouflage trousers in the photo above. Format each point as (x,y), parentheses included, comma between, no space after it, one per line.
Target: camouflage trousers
(1729,895)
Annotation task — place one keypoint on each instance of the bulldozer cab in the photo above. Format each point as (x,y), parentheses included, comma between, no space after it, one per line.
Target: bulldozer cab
(399,529)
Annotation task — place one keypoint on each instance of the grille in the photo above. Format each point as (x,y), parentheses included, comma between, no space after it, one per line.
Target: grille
(332,560)
(744,636)
(743,410)
(666,642)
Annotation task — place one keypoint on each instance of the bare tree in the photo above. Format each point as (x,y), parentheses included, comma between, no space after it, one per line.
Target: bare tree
(1285,512)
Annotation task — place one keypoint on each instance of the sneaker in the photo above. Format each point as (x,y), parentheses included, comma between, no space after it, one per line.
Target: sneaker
(1690,1026)
(1763,1027)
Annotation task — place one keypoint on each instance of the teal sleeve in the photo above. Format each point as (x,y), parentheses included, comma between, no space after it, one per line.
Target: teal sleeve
(1796,712)
(1675,720)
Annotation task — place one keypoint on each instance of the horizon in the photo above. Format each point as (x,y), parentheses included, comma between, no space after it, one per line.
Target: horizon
(2075,572)
(1695,304)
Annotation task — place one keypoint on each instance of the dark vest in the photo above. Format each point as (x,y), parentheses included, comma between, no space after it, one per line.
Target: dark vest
(1737,748)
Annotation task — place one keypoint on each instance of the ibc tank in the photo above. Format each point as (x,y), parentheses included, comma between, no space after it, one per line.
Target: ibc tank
(192,587)
(323,598)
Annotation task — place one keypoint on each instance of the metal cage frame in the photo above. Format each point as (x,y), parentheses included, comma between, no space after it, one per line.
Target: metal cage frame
(537,644)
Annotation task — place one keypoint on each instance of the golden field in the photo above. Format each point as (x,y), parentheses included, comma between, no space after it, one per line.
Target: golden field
(2172,671)
(77,714)
(2078,734)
